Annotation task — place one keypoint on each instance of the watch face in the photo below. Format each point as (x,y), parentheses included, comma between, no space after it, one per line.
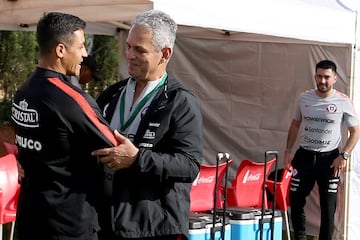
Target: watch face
(345,155)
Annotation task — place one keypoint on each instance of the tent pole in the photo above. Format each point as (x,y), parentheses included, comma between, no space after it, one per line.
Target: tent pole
(352,87)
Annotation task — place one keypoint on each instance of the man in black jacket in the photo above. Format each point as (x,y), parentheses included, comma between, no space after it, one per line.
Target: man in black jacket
(57,127)
(148,176)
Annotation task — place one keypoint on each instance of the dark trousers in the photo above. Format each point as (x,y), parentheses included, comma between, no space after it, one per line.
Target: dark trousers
(311,167)
(106,232)
(170,237)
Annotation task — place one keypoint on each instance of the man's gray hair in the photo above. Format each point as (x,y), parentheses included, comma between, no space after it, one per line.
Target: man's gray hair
(162,26)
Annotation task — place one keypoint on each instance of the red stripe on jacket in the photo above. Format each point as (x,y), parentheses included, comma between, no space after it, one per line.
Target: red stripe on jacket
(85,106)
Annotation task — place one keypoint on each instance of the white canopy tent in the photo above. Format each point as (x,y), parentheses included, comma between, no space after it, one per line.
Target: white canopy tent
(246,60)
(248,78)
(321,20)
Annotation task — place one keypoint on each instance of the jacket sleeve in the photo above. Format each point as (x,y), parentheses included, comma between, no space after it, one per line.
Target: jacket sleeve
(82,115)
(178,154)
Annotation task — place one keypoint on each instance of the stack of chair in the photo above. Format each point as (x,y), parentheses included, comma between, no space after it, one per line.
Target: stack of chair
(246,189)
(204,189)
(282,194)
(9,188)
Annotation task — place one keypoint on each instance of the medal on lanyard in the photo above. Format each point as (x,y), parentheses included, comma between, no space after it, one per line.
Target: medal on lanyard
(125,125)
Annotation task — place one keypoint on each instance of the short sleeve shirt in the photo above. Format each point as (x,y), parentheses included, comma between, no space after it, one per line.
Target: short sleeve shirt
(323,119)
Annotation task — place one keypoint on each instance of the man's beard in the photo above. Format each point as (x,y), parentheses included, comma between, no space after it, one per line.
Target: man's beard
(323,90)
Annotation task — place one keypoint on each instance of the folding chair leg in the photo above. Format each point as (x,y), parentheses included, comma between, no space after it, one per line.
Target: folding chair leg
(1,231)
(287,225)
(12,230)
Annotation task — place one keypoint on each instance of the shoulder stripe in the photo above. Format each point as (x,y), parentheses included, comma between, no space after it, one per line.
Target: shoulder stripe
(85,106)
(348,99)
(342,95)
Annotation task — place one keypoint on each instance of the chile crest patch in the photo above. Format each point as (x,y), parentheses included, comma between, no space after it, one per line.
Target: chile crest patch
(331,108)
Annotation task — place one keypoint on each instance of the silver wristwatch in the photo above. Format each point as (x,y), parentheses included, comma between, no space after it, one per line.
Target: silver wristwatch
(345,155)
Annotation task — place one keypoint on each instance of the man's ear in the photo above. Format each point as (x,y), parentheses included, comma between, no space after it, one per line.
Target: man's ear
(166,54)
(60,50)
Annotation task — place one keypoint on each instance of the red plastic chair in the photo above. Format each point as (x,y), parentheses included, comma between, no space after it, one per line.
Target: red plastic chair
(13,149)
(282,194)
(9,191)
(10,148)
(203,188)
(247,188)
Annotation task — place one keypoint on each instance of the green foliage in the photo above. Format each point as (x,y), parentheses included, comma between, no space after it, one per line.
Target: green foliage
(106,53)
(5,110)
(17,60)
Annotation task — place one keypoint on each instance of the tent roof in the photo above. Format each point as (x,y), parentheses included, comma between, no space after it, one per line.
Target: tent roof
(321,20)
(329,21)
(102,16)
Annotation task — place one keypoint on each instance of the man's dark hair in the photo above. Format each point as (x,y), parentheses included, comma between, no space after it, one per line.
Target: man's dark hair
(56,27)
(326,64)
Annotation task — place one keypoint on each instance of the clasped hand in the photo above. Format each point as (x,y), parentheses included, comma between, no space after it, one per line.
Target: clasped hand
(118,157)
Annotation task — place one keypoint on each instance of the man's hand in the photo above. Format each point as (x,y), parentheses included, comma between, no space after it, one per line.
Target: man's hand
(21,172)
(119,157)
(339,165)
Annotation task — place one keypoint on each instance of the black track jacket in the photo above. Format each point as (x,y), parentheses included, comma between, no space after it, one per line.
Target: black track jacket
(57,127)
(152,197)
